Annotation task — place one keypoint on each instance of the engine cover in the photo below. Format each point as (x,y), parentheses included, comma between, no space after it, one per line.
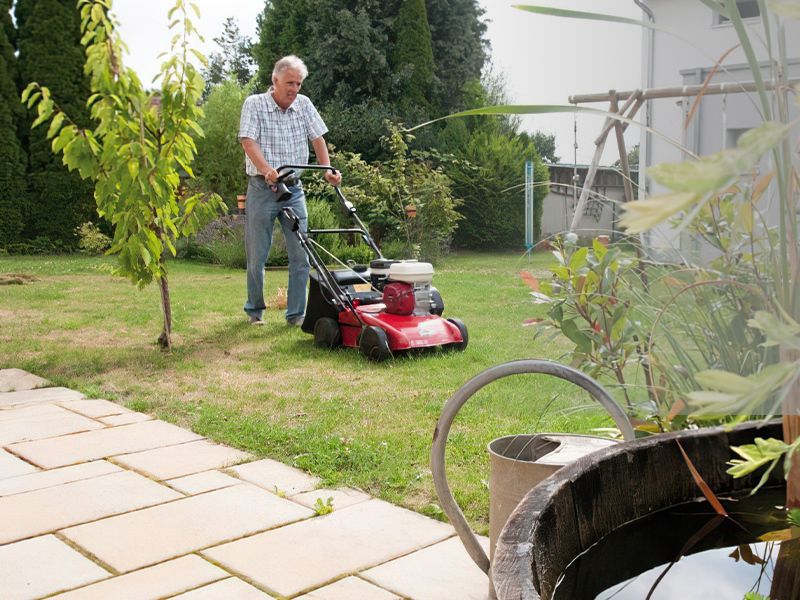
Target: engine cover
(399,298)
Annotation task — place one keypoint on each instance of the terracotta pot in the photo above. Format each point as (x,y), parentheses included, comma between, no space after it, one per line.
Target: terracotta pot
(241,199)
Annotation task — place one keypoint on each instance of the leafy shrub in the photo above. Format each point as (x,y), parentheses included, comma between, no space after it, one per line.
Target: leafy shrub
(219,164)
(91,240)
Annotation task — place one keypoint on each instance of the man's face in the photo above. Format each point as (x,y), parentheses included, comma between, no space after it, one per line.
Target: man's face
(287,86)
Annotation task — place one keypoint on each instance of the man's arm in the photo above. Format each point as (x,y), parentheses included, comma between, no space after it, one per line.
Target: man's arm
(253,151)
(321,151)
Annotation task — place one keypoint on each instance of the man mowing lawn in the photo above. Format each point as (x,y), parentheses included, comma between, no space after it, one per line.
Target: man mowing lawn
(274,130)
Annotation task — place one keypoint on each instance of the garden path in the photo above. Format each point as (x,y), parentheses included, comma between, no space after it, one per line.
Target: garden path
(97,501)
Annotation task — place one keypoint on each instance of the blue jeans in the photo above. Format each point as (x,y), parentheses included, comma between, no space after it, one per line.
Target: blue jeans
(262,210)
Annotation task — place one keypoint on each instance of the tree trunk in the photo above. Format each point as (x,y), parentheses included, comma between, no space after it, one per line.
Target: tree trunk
(165,339)
(791,431)
(786,578)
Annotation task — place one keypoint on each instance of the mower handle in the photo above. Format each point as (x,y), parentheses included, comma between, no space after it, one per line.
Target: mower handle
(348,206)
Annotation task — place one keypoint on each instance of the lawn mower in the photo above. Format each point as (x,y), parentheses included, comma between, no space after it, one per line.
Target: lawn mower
(382,308)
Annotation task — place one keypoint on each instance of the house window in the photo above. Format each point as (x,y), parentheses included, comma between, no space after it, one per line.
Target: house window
(747,8)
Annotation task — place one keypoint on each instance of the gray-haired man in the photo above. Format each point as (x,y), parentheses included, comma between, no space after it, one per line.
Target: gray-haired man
(275,130)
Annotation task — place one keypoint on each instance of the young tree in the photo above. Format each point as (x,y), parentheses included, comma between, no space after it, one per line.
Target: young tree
(12,164)
(412,56)
(282,30)
(50,52)
(233,60)
(460,50)
(140,142)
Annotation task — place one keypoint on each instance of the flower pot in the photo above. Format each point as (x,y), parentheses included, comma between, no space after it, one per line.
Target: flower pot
(587,501)
(241,200)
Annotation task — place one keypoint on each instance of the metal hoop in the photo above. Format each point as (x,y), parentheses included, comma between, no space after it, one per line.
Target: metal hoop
(454,404)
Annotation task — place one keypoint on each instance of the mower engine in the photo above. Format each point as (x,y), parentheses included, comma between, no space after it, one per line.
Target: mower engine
(406,286)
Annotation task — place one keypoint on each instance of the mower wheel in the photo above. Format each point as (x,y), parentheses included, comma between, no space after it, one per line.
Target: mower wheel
(462,345)
(327,333)
(437,307)
(374,344)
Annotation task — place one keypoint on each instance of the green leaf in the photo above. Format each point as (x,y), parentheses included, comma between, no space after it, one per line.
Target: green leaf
(641,215)
(574,14)
(722,381)
(55,124)
(777,332)
(714,172)
(756,455)
(582,342)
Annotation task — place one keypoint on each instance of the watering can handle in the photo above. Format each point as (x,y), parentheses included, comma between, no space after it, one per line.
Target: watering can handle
(458,400)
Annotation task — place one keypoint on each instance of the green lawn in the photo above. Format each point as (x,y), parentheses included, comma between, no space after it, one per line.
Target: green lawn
(270,391)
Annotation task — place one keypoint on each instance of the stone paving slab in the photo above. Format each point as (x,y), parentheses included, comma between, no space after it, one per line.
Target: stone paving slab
(440,572)
(46,510)
(338,544)
(341,498)
(37,396)
(24,575)
(125,419)
(17,380)
(12,466)
(45,479)
(162,532)
(95,408)
(202,482)
(276,477)
(41,421)
(350,588)
(102,443)
(228,589)
(165,579)
(184,459)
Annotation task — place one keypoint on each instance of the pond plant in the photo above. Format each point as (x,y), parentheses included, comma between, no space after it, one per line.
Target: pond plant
(140,147)
(714,342)
(735,355)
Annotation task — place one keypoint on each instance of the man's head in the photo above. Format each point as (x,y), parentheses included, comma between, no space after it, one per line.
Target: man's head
(287,78)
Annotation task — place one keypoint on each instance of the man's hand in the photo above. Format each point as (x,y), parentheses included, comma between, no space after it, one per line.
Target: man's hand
(333,177)
(271,176)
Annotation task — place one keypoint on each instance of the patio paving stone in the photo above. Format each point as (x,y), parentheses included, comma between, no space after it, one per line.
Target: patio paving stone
(349,588)
(13,466)
(340,543)
(161,532)
(203,482)
(17,380)
(41,421)
(229,589)
(95,408)
(22,572)
(276,477)
(342,498)
(429,574)
(184,459)
(37,396)
(102,443)
(165,579)
(45,510)
(125,419)
(45,479)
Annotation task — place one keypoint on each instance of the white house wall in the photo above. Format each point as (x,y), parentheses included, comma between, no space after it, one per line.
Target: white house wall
(686,60)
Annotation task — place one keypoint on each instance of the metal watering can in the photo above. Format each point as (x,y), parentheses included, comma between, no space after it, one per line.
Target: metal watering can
(518,462)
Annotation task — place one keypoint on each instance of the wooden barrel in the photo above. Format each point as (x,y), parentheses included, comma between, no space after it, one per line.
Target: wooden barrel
(583,502)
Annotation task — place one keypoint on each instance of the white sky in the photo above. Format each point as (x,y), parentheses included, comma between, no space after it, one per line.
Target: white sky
(544,59)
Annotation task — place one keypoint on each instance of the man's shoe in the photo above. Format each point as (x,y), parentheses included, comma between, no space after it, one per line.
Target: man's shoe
(254,320)
(295,321)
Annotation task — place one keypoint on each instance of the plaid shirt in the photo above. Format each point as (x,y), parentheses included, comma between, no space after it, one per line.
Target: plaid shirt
(283,136)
